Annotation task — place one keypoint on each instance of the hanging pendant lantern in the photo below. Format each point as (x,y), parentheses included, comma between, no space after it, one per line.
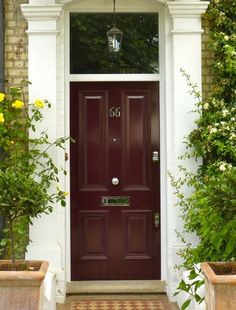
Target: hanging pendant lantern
(114,35)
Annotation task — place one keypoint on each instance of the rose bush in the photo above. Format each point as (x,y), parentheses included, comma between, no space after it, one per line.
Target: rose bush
(28,175)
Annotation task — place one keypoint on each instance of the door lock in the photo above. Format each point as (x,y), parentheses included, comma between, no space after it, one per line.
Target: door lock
(155,156)
(156,219)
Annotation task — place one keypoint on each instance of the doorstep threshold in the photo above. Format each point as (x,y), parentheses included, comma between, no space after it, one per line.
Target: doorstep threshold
(119,286)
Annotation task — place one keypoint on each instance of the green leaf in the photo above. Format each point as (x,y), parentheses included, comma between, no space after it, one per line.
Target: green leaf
(216,240)
(199,284)
(182,286)
(4,242)
(63,203)
(197,298)
(186,304)
(21,230)
(192,275)
(230,247)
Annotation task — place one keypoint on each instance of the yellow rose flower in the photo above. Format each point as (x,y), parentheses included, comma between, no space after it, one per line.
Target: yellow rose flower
(65,193)
(39,104)
(2,120)
(2,97)
(18,104)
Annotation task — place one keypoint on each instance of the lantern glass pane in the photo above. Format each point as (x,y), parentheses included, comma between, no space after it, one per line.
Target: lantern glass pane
(89,52)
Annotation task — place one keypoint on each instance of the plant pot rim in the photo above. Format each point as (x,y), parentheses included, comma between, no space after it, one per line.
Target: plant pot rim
(215,278)
(29,278)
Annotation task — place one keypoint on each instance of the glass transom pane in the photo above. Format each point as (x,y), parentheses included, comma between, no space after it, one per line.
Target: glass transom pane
(89,53)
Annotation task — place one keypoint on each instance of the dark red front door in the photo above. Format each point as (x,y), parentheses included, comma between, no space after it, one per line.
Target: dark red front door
(115,181)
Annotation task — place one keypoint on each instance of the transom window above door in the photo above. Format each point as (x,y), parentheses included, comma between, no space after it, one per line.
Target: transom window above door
(89,53)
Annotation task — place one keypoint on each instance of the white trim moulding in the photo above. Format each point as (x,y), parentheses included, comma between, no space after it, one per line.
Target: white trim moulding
(113,77)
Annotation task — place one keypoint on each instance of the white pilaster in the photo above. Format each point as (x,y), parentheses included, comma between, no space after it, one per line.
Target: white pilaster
(185,37)
(42,53)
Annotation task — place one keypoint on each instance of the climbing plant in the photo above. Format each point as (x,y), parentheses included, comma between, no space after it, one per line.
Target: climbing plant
(210,211)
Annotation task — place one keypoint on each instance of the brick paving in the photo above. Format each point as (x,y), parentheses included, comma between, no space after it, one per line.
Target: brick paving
(118,302)
(118,305)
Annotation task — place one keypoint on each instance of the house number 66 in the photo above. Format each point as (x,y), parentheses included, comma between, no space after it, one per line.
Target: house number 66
(114,112)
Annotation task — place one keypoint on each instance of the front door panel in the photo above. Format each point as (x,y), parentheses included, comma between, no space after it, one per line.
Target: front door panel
(114,181)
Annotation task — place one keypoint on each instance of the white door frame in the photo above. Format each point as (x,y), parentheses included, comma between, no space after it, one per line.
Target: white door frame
(48,51)
(122,78)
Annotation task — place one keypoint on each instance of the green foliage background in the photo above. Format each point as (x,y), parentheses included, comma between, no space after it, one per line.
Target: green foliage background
(210,211)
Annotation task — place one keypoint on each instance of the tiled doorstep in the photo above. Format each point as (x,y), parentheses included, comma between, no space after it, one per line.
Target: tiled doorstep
(116,287)
(73,297)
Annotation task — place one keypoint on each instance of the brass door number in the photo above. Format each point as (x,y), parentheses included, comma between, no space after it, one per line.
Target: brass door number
(115,112)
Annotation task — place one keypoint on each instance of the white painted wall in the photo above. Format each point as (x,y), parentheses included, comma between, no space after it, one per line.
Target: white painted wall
(180,47)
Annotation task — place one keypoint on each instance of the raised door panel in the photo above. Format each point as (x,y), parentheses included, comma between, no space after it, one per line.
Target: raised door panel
(136,141)
(137,229)
(93,139)
(93,235)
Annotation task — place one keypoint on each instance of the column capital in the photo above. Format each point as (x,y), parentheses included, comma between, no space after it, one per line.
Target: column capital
(187,8)
(42,19)
(41,12)
(186,16)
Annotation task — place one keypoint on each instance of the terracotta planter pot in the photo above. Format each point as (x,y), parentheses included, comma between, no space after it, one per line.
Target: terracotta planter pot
(220,285)
(22,290)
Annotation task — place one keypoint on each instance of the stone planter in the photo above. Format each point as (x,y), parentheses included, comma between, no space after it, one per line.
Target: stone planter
(22,289)
(220,285)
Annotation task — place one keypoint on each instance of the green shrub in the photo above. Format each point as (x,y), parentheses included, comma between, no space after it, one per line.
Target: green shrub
(210,210)
(28,174)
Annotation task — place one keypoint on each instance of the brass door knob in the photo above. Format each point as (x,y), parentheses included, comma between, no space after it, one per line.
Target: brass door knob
(115,181)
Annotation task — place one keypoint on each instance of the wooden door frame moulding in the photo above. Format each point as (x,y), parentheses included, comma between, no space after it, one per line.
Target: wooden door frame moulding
(122,78)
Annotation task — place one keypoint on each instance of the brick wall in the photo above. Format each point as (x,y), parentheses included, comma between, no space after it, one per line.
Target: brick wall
(16,42)
(207,60)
